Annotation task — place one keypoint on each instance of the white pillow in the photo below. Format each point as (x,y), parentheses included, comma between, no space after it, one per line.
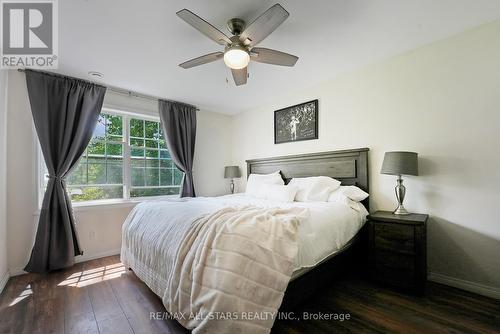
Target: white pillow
(278,193)
(255,181)
(351,192)
(314,189)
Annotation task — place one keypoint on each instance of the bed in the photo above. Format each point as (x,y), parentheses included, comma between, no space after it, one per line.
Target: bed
(156,237)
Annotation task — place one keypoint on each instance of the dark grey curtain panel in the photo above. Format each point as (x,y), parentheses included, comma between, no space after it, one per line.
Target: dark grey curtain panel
(178,121)
(65,112)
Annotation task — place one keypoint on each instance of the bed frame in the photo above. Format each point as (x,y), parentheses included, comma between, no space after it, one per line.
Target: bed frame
(351,168)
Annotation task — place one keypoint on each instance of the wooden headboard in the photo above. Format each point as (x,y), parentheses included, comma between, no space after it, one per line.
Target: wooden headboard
(348,166)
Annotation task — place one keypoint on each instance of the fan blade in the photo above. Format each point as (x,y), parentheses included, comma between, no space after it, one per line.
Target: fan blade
(202,60)
(240,76)
(204,27)
(270,56)
(264,25)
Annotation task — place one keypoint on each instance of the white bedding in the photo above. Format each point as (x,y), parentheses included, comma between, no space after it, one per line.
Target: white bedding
(156,245)
(328,228)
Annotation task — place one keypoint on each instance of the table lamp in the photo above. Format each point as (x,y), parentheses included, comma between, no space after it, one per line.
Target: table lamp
(232,172)
(400,163)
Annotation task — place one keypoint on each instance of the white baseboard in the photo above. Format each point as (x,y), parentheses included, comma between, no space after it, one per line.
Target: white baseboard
(3,280)
(88,257)
(78,259)
(481,289)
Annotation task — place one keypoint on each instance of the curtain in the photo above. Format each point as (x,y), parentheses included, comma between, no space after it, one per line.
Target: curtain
(65,112)
(179,127)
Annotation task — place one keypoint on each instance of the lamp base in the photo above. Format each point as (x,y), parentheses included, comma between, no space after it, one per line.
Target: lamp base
(231,186)
(400,195)
(400,210)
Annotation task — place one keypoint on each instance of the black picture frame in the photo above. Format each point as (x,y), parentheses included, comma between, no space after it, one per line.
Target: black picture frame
(286,122)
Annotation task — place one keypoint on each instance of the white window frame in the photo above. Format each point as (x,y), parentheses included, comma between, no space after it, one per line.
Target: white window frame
(126,199)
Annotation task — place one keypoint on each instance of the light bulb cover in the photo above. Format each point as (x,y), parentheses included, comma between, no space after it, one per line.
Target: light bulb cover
(236,57)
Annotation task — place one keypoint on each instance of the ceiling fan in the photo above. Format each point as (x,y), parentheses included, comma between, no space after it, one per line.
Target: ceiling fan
(240,48)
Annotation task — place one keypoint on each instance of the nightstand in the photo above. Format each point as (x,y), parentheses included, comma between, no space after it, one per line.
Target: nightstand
(397,249)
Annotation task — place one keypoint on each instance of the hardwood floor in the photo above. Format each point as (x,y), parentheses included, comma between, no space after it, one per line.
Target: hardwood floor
(101,296)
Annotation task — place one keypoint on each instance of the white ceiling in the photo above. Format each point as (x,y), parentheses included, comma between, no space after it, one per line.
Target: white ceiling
(137,45)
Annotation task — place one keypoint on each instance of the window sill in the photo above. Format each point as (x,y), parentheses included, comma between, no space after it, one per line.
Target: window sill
(113,203)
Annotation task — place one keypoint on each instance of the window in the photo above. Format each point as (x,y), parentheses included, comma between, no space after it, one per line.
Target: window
(126,158)
(152,170)
(99,173)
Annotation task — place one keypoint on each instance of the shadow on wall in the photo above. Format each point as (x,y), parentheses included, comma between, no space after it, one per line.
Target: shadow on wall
(461,252)
(444,184)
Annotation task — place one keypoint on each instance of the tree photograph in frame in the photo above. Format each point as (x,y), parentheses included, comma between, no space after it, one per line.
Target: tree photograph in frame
(296,123)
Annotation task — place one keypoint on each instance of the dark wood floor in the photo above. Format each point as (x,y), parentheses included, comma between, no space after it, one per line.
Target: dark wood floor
(100,296)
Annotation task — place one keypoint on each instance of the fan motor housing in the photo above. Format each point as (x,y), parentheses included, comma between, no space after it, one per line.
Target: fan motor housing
(235,44)
(236,26)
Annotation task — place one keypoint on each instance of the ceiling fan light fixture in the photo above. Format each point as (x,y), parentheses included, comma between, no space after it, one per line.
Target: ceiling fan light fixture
(239,48)
(236,57)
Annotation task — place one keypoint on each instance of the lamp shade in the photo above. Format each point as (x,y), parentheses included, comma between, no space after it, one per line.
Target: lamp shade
(231,172)
(400,163)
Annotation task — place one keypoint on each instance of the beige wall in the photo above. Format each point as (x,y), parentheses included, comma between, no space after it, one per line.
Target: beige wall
(3,181)
(443,101)
(99,227)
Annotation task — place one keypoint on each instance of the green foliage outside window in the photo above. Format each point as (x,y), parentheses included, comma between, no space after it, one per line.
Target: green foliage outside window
(99,173)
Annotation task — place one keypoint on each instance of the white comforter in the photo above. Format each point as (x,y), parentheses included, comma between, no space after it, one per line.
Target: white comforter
(328,227)
(154,236)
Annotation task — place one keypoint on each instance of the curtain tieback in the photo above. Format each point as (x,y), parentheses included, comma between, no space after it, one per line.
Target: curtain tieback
(56,178)
(189,172)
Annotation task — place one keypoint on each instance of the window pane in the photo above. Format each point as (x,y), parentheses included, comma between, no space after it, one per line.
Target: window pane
(157,175)
(152,130)
(178,175)
(136,142)
(136,128)
(144,192)
(152,177)
(167,164)
(166,177)
(152,163)
(100,128)
(96,160)
(137,163)
(137,177)
(152,153)
(97,173)
(79,174)
(80,194)
(163,144)
(114,149)
(151,143)
(164,154)
(115,171)
(137,152)
(96,148)
(114,128)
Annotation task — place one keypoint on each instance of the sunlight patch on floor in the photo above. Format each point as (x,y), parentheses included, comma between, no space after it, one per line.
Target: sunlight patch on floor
(92,276)
(23,295)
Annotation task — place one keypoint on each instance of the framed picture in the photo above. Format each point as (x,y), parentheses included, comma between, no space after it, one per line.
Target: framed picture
(296,123)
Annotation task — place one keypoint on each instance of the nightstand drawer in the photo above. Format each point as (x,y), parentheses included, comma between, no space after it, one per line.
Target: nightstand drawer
(395,261)
(394,237)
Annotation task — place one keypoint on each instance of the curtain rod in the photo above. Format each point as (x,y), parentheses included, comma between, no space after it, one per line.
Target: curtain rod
(127,92)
